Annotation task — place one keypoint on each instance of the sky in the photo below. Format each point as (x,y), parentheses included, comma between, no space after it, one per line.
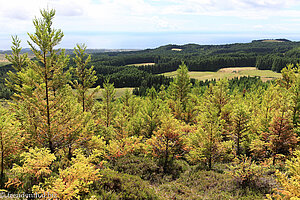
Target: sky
(140,24)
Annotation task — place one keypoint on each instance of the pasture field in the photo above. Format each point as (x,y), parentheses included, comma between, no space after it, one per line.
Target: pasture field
(119,92)
(2,63)
(3,60)
(140,64)
(231,73)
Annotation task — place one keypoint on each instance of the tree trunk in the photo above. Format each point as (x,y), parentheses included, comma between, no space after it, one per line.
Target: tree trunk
(166,157)
(70,152)
(209,162)
(48,106)
(2,167)
(238,145)
(51,146)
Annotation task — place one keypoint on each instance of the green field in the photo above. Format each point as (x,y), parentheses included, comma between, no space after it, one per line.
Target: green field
(119,92)
(3,60)
(141,64)
(3,63)
(231,73)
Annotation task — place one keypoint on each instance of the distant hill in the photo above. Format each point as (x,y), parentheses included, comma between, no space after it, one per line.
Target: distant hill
(272,40)
(70,51)
(133,68)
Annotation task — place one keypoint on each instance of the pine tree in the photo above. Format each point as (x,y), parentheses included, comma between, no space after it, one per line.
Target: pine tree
(240,126)
(220,95)
(179,91)
(281,138)
(19,63)
(85,78)
(167,143)
(205,143)
(43,103)
(108,96)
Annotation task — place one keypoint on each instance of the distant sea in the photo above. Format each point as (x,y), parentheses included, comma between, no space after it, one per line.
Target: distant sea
(153,40)
(129,40)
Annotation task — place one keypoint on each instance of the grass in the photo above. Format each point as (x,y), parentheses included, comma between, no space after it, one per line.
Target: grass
(3,60)
(231,73)
(3,63)
(140,64)
(175,49)
(119,92)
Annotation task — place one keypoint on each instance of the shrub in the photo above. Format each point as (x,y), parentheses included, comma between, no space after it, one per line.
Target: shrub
(141,166)
(114,185)
(290,185)
(246,173)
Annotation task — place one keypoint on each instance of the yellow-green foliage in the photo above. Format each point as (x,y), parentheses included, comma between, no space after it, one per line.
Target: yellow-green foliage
(122,147)
(290,181)
(71,181)
(35,164)
(246,172)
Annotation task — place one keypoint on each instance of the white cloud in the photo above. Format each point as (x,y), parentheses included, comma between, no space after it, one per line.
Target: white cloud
(251,9)
(75,16)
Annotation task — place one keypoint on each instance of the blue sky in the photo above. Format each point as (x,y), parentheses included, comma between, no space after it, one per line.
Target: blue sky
(151,23)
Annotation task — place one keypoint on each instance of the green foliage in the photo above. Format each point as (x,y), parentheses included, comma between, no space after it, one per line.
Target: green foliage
(86,77)
(72,181)
(108,96)
(289,181)
(240,123)
(204,184)
(35,168)
(144,167)
(114,185)
(10,140)
(181,85)
(246,173)
(19,62)
(168,143)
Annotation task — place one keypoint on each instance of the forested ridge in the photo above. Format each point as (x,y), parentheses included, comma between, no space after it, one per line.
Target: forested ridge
(120,69)
(221,139)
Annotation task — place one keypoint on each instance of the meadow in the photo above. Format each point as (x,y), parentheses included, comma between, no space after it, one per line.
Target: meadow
(3,60)
(141,64)
(119,92)
(230,73)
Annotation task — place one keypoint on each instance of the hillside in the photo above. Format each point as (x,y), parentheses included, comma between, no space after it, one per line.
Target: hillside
(143,68)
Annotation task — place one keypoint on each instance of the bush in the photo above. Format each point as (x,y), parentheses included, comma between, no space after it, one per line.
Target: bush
(246,173)
(148,169)
(202,184)
(114,185)
(141,166)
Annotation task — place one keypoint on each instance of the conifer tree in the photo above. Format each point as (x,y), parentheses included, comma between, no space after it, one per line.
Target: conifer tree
(180,88)
(19,63)
(281,138)
(108,96)
(41,104)
(168,142)
(240,125)
(85,77)
(205,143)
(220,95)
(47,65)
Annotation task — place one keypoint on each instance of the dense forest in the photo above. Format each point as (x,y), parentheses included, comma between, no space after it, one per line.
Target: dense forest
(236,139)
